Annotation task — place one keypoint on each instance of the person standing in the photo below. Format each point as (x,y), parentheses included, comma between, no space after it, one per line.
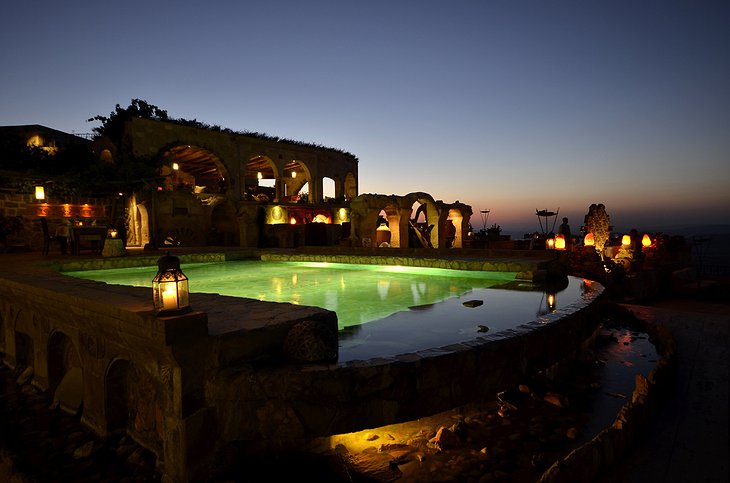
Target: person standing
(564,230)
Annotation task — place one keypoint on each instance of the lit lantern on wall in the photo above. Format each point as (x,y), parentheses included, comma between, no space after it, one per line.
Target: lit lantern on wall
(175,166)
(113,233)
(259,175)
(293,174)
(292,221)
(589,240)
(40,193)
(559,242)
(170,287)
(646,241)
(626,241)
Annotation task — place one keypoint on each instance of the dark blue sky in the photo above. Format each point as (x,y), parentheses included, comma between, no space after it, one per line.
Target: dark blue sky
(504,105)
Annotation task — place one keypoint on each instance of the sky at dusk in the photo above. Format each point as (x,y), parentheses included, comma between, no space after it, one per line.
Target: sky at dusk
(510,106)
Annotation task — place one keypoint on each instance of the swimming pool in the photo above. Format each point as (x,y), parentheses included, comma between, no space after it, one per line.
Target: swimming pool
(382,310)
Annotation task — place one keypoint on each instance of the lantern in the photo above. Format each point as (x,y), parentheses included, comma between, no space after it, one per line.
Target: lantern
(550,243)
(589,240)
(293,174)
(551,302)
(292,221)
(382,234)
(626,241)
(113,233)
(40,193)
(646,241)
(170,287)
(559,242)
(260,175)
(175,166)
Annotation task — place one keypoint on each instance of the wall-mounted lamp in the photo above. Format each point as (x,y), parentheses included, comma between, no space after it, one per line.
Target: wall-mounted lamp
(113,232)
(293,174)
(175,166)
(40,193)
(259,175)
(170,287)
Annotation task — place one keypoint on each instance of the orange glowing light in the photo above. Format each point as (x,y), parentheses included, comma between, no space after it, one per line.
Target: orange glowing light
(40,193)
(589,240)
(292,221)
(550,243)
(559,242)
(646,240)
(626,240)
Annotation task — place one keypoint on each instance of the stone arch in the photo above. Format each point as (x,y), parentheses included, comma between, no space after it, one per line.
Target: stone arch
(296,174)
(24,350)
(260,168)
(199,168)
(116,396)
(350,186)
(430,213)
(329,188)
(62,356)
(65,376)
(392,217)
(138,233)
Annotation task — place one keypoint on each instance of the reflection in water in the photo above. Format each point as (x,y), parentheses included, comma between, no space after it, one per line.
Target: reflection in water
(406,308)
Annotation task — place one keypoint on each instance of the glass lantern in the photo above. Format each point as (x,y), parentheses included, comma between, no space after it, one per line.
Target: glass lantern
(170,287)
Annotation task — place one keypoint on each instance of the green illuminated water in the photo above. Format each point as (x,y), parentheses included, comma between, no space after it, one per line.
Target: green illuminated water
(392,308)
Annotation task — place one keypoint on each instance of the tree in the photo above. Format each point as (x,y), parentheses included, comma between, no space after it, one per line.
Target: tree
(112,126)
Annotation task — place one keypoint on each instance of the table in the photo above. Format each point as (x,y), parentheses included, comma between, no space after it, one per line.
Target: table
(113,247)
(91,237)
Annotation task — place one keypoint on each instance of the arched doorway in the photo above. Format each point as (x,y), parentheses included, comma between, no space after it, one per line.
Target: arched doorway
(65,376)
(116,396)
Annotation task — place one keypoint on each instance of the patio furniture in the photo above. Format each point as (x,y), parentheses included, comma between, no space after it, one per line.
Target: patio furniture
(48,239)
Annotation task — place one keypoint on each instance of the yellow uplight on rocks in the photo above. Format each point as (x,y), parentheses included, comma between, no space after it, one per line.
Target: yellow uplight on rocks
(646,240)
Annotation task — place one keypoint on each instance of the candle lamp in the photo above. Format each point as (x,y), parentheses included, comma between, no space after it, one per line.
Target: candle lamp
(170,287)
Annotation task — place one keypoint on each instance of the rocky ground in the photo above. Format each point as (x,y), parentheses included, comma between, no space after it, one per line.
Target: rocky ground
(513,438)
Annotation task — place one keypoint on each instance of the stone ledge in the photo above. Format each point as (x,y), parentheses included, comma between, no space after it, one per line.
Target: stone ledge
(590,460)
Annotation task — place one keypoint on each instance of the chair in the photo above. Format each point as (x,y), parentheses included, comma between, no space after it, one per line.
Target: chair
(48,239)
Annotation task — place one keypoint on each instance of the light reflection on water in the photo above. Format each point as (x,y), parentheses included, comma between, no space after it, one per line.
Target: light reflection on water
(381,309)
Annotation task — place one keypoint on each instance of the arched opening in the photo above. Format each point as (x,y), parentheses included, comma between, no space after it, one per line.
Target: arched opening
(116,396)
(453,232)
(387,227)
(194,168)
(64,373)
(23,350)
(260,179)
(295,180)
(328,189)
(419,228)
(138,233)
